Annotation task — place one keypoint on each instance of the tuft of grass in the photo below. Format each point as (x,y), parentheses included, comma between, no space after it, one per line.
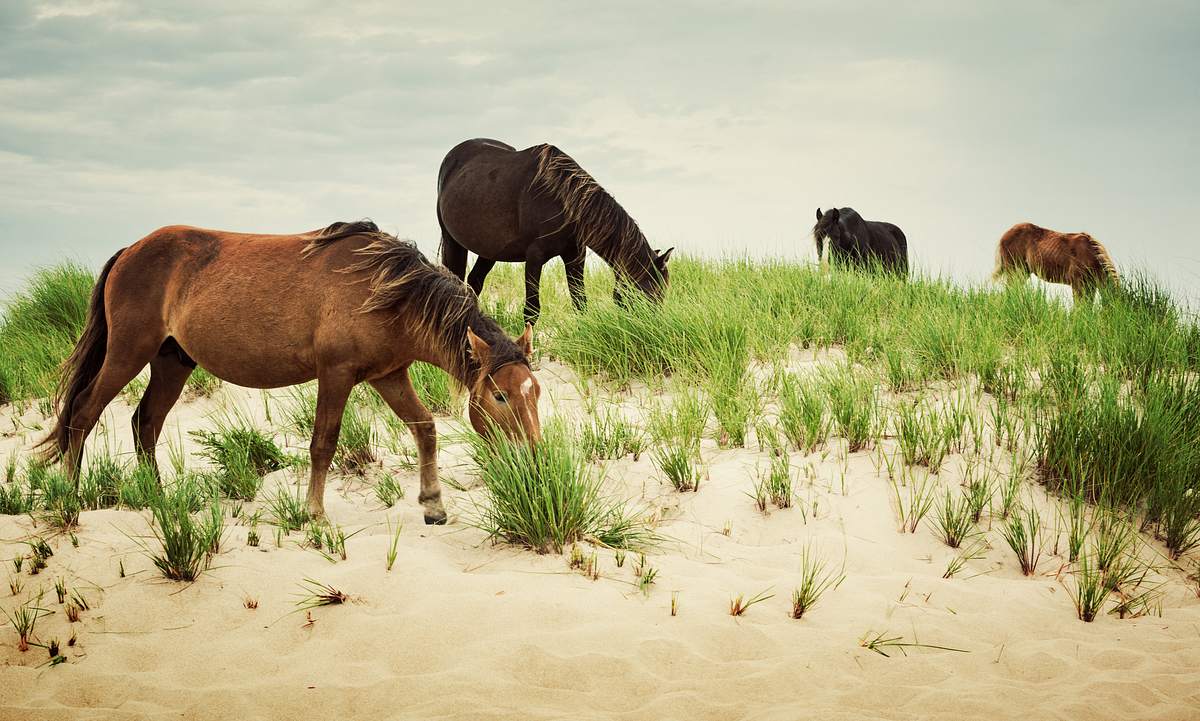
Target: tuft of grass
(675,462)
(39,328)
(550,498)
(1023,533)
(952,519)
(776,485)
(802,414)
(914,502)
(388,490)
(100,486)
(883,642)
(606,435)
(185,543)
(58,502)
(24,620)
(241,454)
(314,594)
(816,578)
(1089,593)
(738,605)
(289,511)
(973,552)
(394,543)
(853,406)
(201,384)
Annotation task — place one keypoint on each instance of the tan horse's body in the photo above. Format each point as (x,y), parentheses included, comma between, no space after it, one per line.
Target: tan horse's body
(1074,259)
(344,305)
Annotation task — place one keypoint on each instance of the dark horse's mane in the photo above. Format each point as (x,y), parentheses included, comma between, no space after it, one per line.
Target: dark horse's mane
(426,296)
(600,221)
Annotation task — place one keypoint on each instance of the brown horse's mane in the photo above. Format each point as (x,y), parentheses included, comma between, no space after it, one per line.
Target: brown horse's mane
(600,221)
(425,296)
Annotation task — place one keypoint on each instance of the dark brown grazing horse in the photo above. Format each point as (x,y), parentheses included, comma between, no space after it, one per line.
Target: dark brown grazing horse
(532,205)
(344,305)
(1075,259)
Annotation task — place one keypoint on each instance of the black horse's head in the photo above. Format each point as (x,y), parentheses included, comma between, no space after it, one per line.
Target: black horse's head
(651,279)
(828,228)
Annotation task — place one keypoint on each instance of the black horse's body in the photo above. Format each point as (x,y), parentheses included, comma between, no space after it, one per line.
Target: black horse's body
(532,205)
(861,243)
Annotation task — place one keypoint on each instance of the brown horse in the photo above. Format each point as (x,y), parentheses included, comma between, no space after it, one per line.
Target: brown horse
(344,305)
(1074,259)
(532,205)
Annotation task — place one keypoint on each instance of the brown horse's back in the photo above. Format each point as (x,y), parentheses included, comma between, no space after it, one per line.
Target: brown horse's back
(248,308)
(1075,259)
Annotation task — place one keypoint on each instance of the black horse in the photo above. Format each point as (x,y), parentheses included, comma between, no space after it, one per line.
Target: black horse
(861,243)
(531,205)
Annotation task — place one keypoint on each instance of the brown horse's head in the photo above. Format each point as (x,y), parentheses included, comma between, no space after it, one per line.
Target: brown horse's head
(504,398)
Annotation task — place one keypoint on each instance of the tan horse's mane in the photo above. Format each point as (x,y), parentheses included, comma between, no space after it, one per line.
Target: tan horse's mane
(427,297)
(1105,260)
(600,221)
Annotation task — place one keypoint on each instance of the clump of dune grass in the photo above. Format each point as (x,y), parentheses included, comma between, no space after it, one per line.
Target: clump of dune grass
(184,541)
(816,578)
(201,384)
(682,423)
(433,387)
(289,511)
(100,484)
(314,594)
(971,552)
(393,543)
(775,485)
(388,490)
(24,620)
(549,498)
(802,413)
(58,503)
(883,642)
(1089,593)
(676,464)
(39,328)
(914,499)
(739,604)
(606,435)
(952,519)
(1023,533)
(241,455)
(853,406)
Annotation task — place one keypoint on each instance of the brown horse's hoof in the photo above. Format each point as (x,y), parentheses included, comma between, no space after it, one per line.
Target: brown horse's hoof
(435,519)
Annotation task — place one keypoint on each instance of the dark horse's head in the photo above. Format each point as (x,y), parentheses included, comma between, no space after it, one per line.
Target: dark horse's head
(830,228)
(650,275)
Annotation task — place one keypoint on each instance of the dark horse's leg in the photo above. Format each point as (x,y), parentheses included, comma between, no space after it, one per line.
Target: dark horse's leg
(168,375)
(479,272)
(534,260)
(454,256)
(333,389)
(575,279)
(397,390)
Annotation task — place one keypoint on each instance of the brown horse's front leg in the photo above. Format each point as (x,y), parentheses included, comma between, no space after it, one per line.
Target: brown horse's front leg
(332,392)
(397,390)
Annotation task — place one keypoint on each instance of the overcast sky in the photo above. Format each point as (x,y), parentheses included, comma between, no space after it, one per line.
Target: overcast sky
(720,126)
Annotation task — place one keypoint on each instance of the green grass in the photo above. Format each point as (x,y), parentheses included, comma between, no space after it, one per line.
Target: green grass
(549,499)
(241,455)
(816,579)
(39,328)
(184,541)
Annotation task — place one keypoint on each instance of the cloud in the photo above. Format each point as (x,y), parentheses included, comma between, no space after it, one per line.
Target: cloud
(721,126)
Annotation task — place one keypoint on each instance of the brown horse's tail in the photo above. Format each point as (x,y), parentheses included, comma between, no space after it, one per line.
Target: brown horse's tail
(1001,258)
(80,368)
(1105,260)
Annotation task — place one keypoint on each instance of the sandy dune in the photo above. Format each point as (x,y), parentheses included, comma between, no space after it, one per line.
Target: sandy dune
(464,629)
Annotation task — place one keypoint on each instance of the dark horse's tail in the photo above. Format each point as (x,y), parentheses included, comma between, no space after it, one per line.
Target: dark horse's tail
(80,368)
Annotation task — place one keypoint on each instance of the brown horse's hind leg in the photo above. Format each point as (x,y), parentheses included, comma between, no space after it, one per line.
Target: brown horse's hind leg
(168,375)
(397,390)
(333,389)
(123,361)
(479,273)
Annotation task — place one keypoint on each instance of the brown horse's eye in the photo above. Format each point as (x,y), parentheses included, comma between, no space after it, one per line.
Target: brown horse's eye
(500,397)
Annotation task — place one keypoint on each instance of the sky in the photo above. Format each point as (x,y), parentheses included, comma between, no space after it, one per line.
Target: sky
(720,126)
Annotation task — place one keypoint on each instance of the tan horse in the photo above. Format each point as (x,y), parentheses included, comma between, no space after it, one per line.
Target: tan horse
(1074,259)
(345,305)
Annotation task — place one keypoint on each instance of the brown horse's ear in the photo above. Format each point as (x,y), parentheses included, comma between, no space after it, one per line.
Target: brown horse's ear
(525,342)
(818,213)
(662,259)
(479,347)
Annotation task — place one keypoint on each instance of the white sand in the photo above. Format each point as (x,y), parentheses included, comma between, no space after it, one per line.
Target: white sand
(464,629)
